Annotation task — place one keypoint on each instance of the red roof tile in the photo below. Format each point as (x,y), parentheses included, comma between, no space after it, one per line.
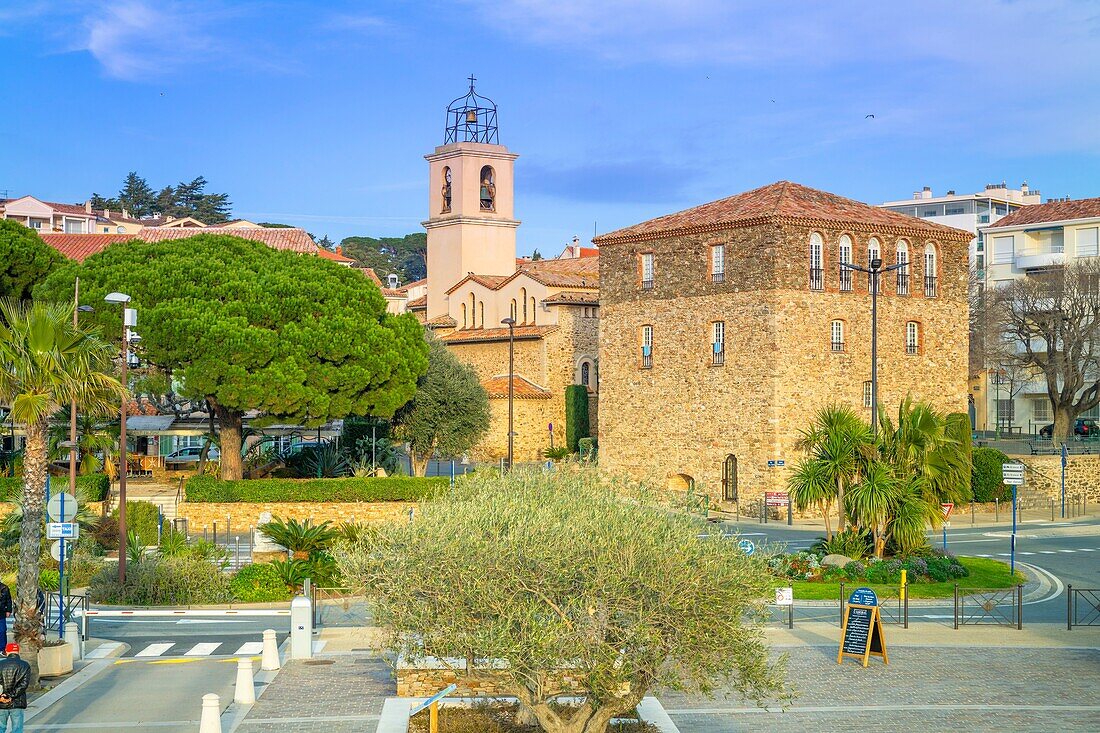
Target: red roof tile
(1054,211)
(784,202)
(490,281)
(566,297)
(79,247)
(443,321)
(292,239)
(327,254)
(417,303)
(522,388)
(496,334)
(574,272)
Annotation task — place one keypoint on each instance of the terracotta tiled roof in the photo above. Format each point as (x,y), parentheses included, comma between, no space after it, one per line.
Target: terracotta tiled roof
(522,388)
(783,202)
(294,240)
(565,273)
(414,284)
(418,303)
(1054,211)
(496,334)
(567,297)
(327,254)
(443,321)
(490,281)
(81,246)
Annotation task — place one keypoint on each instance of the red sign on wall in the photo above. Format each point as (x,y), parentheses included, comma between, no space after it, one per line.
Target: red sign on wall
(776,498)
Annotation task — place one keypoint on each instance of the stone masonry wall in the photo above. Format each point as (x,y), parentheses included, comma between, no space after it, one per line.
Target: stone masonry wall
(681,418)
(243,515)
(1043,478)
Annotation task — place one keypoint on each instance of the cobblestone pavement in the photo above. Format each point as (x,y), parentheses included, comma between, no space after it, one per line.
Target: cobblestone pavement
(922,689)
(336,694)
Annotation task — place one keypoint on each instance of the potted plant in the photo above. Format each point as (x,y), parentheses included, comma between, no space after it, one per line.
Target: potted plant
(55,658)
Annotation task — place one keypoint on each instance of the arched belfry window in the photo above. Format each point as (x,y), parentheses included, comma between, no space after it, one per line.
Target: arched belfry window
(488,189)
(729,478)
(446,189)
(586,373)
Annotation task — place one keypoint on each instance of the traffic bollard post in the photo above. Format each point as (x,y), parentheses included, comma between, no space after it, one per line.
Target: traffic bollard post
(210,721)
(270,660)
(245,692)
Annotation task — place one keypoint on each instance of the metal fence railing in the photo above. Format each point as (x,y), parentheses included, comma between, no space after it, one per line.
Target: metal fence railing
(338,607)
(60,610)
(1082,607)
(989,606)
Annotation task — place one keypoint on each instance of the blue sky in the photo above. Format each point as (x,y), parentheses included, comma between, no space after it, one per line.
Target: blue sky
(319,113)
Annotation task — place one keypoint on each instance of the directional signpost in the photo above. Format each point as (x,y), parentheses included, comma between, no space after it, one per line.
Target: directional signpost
(1012,474)
(61,509)
(747,547)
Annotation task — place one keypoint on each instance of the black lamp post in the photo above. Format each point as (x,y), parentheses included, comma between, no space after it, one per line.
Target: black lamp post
(511,324)
(874,272)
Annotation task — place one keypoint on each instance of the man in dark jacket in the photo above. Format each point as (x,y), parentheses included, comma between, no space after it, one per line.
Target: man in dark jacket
(5,609)
(15,676)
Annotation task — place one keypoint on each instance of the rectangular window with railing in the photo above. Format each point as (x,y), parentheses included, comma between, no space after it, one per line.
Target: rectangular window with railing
(718,263)
(912,338)
(718,343)
(903,281)
(931,286)
(836,338)
(647,347)
(647,271)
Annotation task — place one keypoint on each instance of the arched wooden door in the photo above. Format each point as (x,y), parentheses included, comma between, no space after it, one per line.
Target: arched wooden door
(729,478)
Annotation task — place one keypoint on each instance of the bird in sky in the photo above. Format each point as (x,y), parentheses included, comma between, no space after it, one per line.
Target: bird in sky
(869,117)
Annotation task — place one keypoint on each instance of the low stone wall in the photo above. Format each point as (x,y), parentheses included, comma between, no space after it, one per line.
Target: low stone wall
(243,515)
(1044,477)
(96,507)
(428,676)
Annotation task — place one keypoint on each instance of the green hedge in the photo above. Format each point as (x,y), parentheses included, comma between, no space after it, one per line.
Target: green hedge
(576,415)
(93,486)
(985,475)
(392,488)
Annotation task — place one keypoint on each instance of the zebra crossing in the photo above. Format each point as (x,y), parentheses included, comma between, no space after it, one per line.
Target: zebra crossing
(190,648)
(1044,552)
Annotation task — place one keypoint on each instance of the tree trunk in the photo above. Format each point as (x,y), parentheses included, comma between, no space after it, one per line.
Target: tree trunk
(840,504)
(419,463)
(28,624)
(1063,425)
(232,467)
(825,513)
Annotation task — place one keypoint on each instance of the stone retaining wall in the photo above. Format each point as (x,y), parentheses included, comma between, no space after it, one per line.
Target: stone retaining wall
(430,676)
(1044,477)
(96,507)
(243,515)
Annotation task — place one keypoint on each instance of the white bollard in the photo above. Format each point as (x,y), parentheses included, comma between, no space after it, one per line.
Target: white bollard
(211,719)
(270,660)
(245,693)
(72,635)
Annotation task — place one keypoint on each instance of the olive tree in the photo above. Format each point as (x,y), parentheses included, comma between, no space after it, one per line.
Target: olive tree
(531,574)
(246,327)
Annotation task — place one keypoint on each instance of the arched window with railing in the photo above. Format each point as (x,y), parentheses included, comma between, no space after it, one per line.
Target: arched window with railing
(931,271)
(901,258)
(844,257)
(817,262)
(874,252)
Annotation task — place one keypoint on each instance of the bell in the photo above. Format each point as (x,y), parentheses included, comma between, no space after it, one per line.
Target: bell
(471,117)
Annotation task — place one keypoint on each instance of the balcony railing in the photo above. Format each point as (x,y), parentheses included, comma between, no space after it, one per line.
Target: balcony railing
(647,284)
(845,279)
(817,278)
(903,283)
(930,287)
(912,349)
(718,277)
(838,345)
(874,284)
(718,355)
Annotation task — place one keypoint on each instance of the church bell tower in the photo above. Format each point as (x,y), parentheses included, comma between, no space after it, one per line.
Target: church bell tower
(470,206)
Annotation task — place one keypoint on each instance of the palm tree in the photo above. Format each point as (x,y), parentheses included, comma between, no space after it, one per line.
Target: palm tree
(872,500)
(93,436)
(811,485)
(840,440)
(45,363)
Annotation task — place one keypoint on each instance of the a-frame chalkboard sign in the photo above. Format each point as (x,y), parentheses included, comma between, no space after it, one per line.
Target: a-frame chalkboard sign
(861,633)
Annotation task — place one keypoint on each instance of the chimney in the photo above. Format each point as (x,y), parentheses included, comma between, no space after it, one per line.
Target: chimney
(926,193)
(1024,189)
(106,213)
(339,250)
(88,207)
(951,192)
(125,214)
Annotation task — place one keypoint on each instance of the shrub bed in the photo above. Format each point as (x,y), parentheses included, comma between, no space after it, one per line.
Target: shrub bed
(93,486)
(163,581)
(936,567)
(392,488)
(259,583)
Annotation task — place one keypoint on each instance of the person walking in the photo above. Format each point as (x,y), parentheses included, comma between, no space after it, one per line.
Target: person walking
(15,676)
(5,609)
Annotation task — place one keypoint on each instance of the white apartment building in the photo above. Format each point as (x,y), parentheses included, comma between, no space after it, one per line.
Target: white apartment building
(1034,239)
(968,211)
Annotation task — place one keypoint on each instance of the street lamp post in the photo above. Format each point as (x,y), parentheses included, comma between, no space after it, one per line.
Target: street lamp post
(511,324)
(874,272)
(128,315)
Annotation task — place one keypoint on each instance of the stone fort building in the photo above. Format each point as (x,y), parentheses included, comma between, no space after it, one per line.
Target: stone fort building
(475,281)
(723,328)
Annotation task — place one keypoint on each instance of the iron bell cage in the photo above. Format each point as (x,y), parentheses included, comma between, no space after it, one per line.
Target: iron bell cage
(472,119)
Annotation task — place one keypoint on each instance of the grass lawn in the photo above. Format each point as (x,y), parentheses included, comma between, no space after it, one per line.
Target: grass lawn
(984,573)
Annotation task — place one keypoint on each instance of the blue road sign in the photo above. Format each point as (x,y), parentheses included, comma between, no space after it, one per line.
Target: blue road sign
(771,464)
(863,597)
(747,547)
(781,463)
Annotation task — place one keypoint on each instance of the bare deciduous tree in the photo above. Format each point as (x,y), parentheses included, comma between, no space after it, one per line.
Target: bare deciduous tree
(1049,322)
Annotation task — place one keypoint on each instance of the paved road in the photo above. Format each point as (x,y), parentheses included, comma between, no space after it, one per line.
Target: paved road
(191,636)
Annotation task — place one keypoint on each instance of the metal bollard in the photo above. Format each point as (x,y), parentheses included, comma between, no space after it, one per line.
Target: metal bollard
(245,692)
(210,721)
(997,510)
(1069,608)
(1052,510)
(270,660)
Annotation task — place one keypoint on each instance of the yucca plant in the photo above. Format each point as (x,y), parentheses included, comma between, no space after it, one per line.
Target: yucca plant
(328,461)
(292,572)
(851,543)
(301,538)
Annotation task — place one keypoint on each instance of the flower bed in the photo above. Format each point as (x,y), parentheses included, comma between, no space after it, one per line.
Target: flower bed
(937,567)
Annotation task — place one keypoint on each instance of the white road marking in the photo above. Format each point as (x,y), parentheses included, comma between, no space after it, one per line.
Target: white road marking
(203,650)
(1025,553)
(251,647)
(1086,549)
(1047,552)
(1067,550)
(155,650)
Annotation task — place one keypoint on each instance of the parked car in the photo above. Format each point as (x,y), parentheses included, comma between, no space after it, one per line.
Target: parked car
(190,454)
(1085,427)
